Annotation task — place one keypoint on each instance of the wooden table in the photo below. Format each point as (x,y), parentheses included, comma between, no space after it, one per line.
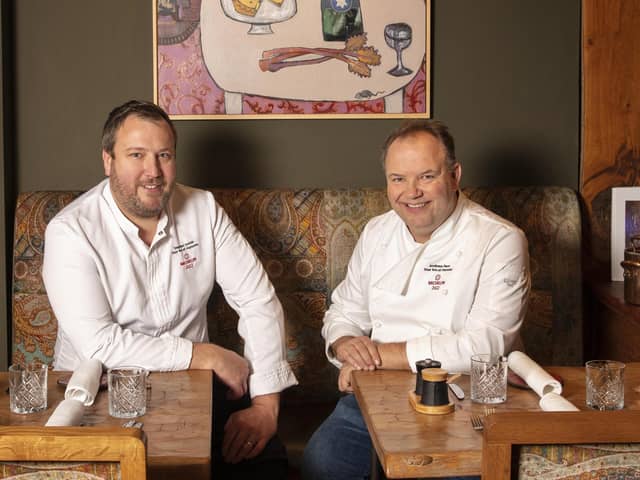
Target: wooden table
(177,424)
(410,444)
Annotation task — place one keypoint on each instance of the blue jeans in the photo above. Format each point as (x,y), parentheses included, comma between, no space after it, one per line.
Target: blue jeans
(341,448)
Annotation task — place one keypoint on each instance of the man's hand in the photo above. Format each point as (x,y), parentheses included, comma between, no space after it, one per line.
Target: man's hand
(230,367)
(344,379)
(247,431)
(359,352)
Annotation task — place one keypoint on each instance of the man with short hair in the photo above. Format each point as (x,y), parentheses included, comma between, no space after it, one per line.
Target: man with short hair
(436,277)
(129,267)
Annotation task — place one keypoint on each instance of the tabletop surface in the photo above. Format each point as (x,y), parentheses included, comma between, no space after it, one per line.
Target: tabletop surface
(177,424)
(411,444)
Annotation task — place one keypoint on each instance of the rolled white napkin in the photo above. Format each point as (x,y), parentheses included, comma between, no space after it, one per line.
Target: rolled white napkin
(552,402)
(532,373)
(67,413)
(84,383)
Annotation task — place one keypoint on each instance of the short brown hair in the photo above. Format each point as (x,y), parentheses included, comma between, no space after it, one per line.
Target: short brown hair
(432,127)
(139,108)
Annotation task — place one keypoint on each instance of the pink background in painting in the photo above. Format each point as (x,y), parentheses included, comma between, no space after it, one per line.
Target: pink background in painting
(186,88)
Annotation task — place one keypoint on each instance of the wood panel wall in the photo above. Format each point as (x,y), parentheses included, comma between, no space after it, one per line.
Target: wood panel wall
(610,115)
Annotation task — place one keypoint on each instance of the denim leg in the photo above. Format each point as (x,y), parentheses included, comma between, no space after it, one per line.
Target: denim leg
(341,448)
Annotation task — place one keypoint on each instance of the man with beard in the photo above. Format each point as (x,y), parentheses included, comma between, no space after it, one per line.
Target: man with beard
(129,267)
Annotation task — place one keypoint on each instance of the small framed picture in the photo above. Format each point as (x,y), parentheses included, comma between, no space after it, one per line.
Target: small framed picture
(625,223)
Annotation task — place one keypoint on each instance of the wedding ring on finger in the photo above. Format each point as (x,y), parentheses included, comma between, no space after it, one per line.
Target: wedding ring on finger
(249,443)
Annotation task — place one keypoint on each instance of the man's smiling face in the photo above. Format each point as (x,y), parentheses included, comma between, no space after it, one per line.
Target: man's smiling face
(421,187)
(142,169)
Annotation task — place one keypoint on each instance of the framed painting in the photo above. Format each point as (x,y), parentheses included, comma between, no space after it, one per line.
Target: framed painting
(625,224)
(248,59)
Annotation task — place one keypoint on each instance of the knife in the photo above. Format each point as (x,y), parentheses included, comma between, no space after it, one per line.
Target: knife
(457,390)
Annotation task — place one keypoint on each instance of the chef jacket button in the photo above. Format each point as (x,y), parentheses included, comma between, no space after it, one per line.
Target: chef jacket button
(445,292)
(378,324)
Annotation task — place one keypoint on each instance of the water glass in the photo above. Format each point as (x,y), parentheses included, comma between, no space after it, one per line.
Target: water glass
(605,384)
(127,392)
(28,388)
(489,378)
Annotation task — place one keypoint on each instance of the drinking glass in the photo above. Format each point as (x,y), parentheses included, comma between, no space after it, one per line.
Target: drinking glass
(489,378)
(28,388)
(398,37)
(127,392)
(605,384)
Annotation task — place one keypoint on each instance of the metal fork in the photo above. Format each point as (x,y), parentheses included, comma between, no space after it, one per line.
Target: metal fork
(477,421)
(133,423)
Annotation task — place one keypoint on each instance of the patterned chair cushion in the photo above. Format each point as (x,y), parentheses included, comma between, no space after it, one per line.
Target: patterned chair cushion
(578,462)
(34,324)
(60,470)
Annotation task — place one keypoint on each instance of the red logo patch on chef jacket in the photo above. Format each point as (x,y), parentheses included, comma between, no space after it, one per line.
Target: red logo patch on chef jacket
(437,282)
(187,261)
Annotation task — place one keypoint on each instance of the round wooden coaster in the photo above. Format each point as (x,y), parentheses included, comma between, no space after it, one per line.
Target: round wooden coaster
(414,400)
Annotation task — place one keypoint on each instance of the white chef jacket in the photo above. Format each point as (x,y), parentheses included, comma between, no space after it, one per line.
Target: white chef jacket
(462,292)
(123,302)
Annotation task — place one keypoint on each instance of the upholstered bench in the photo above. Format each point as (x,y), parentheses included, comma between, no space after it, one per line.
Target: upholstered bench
(304,239)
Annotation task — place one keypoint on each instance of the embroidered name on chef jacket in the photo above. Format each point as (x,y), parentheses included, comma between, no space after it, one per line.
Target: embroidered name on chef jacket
(187,259)
(436,280)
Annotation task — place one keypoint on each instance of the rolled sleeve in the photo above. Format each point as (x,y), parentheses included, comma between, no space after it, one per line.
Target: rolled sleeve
(274,380)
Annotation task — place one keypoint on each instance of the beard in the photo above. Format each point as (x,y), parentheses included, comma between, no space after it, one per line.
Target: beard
(128,200)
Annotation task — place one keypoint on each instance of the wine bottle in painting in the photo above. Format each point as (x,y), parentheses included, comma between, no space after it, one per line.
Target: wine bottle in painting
(341,19)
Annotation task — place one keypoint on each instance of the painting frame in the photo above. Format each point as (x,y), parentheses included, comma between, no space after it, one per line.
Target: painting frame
(620,221)
(185,87)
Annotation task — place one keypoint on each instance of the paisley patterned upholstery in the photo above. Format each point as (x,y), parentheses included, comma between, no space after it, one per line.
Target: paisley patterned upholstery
(581,445)
(34,324)
(305,239)
(577,462)
(60,470)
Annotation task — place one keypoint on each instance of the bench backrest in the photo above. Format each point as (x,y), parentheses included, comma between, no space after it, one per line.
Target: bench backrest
(304,239)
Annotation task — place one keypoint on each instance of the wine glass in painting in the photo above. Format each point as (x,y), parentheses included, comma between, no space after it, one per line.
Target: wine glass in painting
(398,37)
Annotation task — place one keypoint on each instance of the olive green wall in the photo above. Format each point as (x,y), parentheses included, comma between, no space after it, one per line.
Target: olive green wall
(506,79)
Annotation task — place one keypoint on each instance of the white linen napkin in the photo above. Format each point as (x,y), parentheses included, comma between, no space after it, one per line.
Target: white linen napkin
(532,373)
(84,383)
(67,413)
(552,402)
